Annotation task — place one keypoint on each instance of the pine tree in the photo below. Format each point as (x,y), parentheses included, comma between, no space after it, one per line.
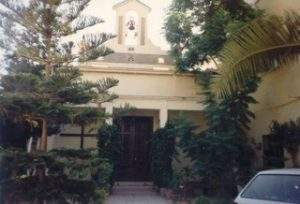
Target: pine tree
(87,117)
(42,83)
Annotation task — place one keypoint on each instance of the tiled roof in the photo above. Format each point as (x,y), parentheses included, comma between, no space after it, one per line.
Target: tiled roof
(137,58)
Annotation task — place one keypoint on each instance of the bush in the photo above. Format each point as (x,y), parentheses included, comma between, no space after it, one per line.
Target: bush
(109,143)
(103,173)
(85,165)
(58,176)
(288,134)
(184,184)
(162,154)
(110,147)
(50,188)
(100,196)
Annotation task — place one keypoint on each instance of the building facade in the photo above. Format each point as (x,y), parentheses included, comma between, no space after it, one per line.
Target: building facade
(147,82)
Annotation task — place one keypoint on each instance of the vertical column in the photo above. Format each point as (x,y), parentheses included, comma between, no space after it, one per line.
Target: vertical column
(143,31)
(120,30)
(163,116)
(109,108)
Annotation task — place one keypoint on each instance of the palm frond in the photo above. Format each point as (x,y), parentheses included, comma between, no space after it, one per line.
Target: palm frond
(267,43)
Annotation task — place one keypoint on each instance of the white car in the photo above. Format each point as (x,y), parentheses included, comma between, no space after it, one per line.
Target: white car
(272,187)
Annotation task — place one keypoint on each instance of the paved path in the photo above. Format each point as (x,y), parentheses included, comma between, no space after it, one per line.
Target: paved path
(135,193)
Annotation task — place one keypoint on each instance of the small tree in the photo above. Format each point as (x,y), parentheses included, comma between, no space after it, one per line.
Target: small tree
(88,117)
(46,86)
(222,154)
(197,30)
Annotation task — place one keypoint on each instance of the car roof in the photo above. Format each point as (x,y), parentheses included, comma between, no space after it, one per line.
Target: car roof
(281,171)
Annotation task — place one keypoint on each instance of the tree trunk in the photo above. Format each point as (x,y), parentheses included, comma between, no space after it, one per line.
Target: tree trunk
(82,137)
(294,158)
(44,138)
(29,145)
(48,69)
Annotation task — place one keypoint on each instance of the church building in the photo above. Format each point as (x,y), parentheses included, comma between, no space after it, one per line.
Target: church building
(147,82)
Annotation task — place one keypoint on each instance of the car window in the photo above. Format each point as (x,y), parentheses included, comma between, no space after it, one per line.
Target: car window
(282,188)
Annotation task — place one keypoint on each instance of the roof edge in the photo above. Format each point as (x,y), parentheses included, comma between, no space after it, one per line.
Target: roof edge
(126,1)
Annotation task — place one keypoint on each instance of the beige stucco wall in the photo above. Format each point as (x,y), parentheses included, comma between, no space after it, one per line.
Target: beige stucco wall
(153,90)
(279,6)
(279,93)
(69,142)
(145,84)
(150,87)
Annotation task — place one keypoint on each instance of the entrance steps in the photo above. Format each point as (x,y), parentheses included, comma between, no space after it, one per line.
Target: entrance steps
(133,186)
(129,183)
(135,193)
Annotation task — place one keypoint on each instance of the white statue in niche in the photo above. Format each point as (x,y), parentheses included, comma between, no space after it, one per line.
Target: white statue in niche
(131,34)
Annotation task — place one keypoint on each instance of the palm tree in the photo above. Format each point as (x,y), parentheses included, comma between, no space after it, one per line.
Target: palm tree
(267,43)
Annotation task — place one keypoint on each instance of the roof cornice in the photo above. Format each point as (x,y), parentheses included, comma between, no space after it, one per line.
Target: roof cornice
(134,71)
(112,65)
(122,3)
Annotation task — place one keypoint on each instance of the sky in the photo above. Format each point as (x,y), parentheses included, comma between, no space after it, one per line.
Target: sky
(103,9)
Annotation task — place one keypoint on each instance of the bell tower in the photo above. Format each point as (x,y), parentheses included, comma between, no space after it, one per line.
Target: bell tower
(132,27)
(132,23)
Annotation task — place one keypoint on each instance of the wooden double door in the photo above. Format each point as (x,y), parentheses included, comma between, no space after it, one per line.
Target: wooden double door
(136,135)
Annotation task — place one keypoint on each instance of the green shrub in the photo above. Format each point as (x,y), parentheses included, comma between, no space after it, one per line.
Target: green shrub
(110,147)
(103,173)
(84,165)
(100,196)
(288,134)
(57,176)
(50,188)
(162,154)
(181,177)
(109,143)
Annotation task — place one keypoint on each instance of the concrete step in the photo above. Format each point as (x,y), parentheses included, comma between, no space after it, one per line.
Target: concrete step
(135,193)
(133,186)
(136,184)
(128,191)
